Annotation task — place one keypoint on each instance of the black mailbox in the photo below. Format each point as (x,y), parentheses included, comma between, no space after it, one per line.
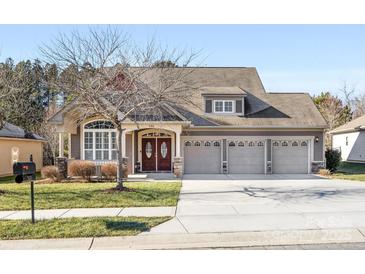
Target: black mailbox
(24,171)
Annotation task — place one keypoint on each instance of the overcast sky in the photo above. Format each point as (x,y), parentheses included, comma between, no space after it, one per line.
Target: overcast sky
(289,58)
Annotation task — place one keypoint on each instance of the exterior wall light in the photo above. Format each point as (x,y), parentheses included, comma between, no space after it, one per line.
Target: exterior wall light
(316,139)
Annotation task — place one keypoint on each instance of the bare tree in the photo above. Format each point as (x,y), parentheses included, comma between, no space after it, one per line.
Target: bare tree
(359,106)
(109,76)
(348,93)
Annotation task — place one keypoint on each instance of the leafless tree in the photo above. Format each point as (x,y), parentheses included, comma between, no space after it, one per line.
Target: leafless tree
(110,76)
(348,93)
(359,106)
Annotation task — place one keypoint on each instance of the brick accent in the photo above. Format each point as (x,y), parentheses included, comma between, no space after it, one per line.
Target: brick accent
(178,166)
(316,166)
(61,163)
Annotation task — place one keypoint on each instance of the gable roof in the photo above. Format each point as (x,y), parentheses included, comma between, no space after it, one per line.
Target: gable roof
(262,109)
(12,131)
(354,125)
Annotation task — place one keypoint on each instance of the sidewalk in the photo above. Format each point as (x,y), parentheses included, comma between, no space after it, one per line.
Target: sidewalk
(246,240)
(90,212)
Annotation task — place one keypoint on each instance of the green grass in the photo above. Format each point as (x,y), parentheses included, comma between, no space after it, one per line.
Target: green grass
(350,171)
(11,179)
(77,227)
(89,195)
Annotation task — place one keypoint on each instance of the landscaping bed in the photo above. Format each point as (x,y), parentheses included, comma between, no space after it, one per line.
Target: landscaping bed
(89,195)
(77,227)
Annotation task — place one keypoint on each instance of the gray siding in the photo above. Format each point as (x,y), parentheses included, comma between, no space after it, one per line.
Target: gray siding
(128,153)
(318,147)
(75,145)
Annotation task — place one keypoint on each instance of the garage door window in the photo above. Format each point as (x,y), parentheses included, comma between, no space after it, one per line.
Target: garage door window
(188,144)
(231,144)
(303,144)
(216,144)
(284,144)
(260,144)
(275,144)
(241,144)
(294,144)
(197,144)
(207,144)
(251,144)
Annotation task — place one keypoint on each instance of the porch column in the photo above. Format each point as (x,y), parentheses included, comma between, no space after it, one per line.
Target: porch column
(69,146)
(178,144)
(61,144)
(123,144)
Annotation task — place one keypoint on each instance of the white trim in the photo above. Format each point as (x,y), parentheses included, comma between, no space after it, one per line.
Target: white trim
(69,146)
(223,105)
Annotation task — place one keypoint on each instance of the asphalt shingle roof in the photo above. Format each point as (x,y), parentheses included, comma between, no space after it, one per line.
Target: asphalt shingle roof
(12,131)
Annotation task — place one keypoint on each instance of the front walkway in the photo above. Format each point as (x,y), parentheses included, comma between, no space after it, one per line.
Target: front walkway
(90,212)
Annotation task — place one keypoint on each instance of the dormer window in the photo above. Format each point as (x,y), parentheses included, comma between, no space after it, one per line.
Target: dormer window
(223,106)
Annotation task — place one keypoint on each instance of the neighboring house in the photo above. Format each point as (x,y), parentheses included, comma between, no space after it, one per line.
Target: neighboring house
(16,145)
(234,127)
(350,140)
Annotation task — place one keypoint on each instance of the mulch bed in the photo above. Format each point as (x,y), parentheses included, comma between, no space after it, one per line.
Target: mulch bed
(119,189)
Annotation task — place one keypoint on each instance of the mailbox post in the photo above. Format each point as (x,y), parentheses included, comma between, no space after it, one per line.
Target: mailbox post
(26,171)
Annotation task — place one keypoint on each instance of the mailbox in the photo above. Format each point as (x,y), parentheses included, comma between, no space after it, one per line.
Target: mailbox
(24,171)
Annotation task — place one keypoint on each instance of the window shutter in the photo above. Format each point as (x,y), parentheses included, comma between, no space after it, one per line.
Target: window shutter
(208,106)
(239,106)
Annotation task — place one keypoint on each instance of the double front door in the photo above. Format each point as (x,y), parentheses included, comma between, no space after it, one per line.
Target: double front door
(156,154)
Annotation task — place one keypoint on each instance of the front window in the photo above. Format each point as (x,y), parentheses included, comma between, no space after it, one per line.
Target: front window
(100,141)
(223,106)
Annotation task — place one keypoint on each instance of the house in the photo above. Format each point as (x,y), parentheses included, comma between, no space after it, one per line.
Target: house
(235,126)
(349,139)
(16,145)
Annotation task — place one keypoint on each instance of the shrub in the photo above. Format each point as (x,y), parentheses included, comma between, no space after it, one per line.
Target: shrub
(85,169)
(50,172)
(324,172)
(109,170)
(333,159)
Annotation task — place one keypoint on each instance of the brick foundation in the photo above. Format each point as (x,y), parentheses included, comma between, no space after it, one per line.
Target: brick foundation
(61,164)
(178,167)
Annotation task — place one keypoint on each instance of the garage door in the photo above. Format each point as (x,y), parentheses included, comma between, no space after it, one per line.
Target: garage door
(246,157)
(290,157)
(202,157)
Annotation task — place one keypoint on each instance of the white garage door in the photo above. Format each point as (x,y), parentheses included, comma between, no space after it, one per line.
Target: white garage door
(290,157)
(202,157)
(246,157)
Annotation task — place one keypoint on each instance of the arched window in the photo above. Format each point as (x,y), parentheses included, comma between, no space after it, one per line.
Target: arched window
(275,144)
(251,144)
(100,141)
(207,144)
(303,144)
(188,144)
(241,144)
(197,144)
(217,144)
(294,144)
(284,144)
(260,144)
(231,144)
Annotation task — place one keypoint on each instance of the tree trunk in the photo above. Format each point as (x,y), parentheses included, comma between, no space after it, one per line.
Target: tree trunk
(119,158)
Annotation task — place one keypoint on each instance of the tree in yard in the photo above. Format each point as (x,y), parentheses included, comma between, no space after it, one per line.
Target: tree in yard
(359,106)
(106,75)
(333,111)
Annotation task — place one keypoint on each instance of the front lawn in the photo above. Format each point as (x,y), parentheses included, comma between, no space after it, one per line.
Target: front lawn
(11,179)
(77,227)
(350,171)
(89,195)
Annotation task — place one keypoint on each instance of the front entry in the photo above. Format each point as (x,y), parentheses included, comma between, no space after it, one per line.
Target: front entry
(156,154)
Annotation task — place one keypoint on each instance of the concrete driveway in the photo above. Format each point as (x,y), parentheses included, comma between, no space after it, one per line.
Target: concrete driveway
(233,203)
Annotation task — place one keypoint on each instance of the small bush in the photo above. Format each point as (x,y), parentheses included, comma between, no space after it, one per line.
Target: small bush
(324,172)
(109,171)
(333,159)
(85,169)
(50,172)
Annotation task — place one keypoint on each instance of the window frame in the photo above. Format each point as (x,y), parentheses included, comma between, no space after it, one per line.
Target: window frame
(110,148)
(224,106)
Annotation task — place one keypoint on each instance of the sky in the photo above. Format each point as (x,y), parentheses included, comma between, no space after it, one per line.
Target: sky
(289,58)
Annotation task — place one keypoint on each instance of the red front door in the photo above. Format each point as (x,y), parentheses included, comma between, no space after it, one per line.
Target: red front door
(164,154)
(149,154)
